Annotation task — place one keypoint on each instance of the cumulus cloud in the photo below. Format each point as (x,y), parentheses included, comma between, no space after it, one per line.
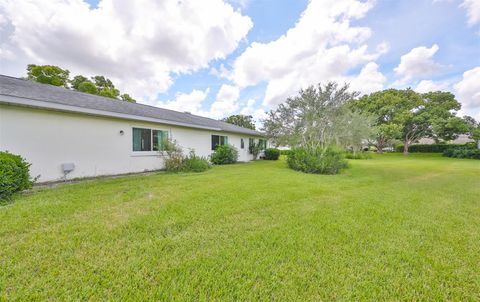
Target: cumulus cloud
(473,11)
(369,79)
(139,44)
(189,102)
(258,114)
(468,89)
(418,63)
(322,46)
(425,86)
(226,101)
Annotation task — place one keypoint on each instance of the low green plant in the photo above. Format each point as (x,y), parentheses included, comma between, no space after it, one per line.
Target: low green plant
(176,161)
(14,175)
(255,148)
(428,148)
(285,152)
(358,155)
(224,154)
(462,153)
(318,161)
(195,163)
(272,154)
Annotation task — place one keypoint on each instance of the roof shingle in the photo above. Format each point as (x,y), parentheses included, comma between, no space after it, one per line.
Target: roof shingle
(21,88)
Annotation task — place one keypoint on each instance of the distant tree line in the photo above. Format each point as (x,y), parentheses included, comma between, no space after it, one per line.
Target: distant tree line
(97,85)
(409,116)
(321,116)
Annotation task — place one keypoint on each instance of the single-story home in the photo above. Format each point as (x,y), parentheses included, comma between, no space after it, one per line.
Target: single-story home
(460,140)
(69,134)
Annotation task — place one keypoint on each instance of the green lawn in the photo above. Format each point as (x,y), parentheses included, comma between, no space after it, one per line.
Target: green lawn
(390,228)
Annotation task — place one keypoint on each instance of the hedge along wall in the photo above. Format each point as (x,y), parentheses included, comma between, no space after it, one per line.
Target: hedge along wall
(433,148)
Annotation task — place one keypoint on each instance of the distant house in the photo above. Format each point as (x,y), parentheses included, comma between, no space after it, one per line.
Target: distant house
(461,139)
(68,133)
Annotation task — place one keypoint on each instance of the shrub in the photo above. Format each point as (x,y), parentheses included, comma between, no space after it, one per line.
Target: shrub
(195,163)
(14,175)
(224,154)
(285,152)
(462,153)
(175,161)
(425,148)
(358,155)
(318,161)
(173,156)
(272,154)
(255,148)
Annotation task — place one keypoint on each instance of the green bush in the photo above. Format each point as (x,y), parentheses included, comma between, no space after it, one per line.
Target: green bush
(358,155)
(195,163)
(425,148)
(224,154)
(14,175)
(465,152)
(175,161)
(285,152)
(318,161)
(272,154)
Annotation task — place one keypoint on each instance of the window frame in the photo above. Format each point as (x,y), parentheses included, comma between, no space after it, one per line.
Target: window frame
(150,152)
(222,140)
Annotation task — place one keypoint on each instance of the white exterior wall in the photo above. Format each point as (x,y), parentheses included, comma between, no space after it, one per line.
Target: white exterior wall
(47,139)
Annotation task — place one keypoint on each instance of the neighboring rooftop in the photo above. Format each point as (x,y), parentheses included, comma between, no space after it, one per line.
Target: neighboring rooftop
(43,95)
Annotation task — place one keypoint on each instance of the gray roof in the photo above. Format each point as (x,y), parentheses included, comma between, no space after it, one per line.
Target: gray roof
(41,93)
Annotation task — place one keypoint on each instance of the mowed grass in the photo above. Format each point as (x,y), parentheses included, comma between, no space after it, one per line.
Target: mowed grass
(389,228)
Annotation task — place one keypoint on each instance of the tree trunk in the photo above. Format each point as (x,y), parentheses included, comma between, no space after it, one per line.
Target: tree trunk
(380,146)
(405,148)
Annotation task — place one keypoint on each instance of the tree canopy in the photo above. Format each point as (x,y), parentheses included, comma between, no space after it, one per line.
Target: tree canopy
(473,129)
(98,85)
(245,121)
(319,116)
(409,116)
(48,74)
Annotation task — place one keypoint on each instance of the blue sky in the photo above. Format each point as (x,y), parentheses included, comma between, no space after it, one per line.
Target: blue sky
(265,49)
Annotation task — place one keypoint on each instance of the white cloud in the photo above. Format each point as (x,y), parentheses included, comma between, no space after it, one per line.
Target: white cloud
(369,79)
(322,46)
(468,89)
(473,11)
(138,44)
(428,85)
(249,107)
(187,102)
(240,3)
(418,63)
(258,114)
(226,101)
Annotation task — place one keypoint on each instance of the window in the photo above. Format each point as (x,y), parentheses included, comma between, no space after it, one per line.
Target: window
(149,139)
(219,140)
(251,142)
(262,143)
(242,144)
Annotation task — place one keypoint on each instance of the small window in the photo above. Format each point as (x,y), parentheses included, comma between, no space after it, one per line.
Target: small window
(251,142)
(219,140)
(242,144)
(148,139)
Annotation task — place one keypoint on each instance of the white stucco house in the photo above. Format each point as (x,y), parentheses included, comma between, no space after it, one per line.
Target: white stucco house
(58,130)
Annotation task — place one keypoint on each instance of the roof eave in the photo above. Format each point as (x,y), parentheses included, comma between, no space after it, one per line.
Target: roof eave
(33,103)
